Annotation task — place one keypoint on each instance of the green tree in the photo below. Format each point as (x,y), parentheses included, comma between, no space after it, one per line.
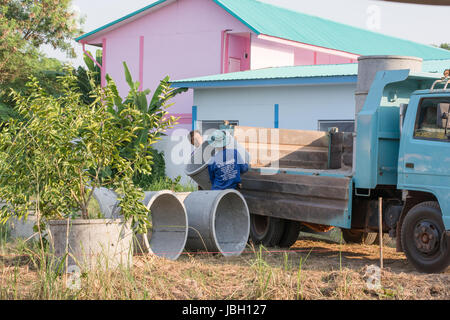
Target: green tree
(445,46)
(84,76)
(61,148)
(45,70)
(26,25)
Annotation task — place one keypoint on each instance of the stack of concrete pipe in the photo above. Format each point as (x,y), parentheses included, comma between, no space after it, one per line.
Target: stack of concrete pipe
(212,221)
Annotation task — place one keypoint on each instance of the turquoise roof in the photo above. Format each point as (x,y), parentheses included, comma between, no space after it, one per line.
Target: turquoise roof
(297,72)
(274,21)
(278,22)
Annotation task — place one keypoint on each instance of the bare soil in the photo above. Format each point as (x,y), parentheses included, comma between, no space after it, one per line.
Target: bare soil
(312,269)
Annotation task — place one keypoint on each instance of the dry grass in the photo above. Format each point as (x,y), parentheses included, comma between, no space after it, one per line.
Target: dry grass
(312,269)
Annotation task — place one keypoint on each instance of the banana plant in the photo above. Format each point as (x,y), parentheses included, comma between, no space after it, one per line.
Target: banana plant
(152,112)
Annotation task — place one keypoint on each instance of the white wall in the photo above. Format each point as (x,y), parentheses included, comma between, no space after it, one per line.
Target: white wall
(265,54)
(300,107)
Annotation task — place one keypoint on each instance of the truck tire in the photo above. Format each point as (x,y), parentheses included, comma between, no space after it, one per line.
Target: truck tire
(291,232)
(422,231)
(359,237)
(266,231)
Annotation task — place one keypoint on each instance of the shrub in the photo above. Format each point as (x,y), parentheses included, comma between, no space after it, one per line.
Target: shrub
(64,148)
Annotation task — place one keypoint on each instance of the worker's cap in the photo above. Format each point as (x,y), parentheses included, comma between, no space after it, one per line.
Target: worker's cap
(219,139)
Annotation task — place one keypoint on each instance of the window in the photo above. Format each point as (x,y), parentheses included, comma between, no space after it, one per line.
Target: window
(342,125)
(432,122)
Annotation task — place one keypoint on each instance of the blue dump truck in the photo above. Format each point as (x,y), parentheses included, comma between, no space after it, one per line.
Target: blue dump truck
(399,152)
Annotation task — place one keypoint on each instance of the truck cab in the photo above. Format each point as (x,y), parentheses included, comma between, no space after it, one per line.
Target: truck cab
(403,155)
(424,177)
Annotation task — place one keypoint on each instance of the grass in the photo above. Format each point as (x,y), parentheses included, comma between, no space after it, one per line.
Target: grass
(312,269)
(173,185)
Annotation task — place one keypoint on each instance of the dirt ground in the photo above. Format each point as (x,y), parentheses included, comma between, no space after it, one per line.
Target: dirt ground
(312,269)
(318,269)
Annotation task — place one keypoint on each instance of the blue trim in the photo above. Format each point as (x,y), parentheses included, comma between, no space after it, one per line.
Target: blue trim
(119,20)
(277,116)
(194,117)
(350,205)
(265,82)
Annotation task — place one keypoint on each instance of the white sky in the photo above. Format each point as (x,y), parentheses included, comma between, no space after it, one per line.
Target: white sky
(420,23)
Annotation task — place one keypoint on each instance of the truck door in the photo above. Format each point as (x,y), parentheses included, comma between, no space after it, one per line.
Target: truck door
(424,162)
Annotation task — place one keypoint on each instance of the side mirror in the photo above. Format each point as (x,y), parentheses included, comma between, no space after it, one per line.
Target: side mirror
(443,114)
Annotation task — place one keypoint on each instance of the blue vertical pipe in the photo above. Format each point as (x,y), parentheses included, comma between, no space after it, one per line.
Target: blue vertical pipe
(194,117)
(277,116)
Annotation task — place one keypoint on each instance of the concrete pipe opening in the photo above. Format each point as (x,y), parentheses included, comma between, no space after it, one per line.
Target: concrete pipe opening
(168,234)
(197,166)
(219,221)
(231,224)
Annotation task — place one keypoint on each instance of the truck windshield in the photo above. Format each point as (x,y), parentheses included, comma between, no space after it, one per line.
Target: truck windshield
(432,121)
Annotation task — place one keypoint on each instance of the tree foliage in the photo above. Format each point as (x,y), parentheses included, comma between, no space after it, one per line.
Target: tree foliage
(45,70)
(445,46)
(63,148)
(26,25)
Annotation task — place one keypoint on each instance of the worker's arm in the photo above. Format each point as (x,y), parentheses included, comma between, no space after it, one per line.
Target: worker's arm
(211,172)
(243,166)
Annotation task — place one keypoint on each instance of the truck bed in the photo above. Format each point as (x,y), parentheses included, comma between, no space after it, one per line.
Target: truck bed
(294,180)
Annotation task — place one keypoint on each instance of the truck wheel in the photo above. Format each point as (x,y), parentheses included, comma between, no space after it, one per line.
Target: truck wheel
(422,232)
(359,237)
(266,230)
(290,235)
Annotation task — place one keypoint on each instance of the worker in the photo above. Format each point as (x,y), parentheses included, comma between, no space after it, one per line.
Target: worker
(226,166)
(447,73)
(195,138)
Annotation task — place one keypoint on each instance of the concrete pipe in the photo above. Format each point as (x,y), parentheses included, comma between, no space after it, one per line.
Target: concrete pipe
(92,244)
(169,231)
(107,201)
(368,66)
(197,168)
(219,221)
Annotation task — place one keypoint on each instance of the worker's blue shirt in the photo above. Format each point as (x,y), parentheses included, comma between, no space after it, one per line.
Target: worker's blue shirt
(225,169)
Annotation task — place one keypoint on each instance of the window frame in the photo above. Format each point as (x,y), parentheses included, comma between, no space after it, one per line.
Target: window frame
(320,121)
(416,121)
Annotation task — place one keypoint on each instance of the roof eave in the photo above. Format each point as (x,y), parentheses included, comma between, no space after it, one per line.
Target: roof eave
(266,82)
(117,23)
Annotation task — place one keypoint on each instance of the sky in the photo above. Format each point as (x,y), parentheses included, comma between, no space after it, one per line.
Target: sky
(420,23)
